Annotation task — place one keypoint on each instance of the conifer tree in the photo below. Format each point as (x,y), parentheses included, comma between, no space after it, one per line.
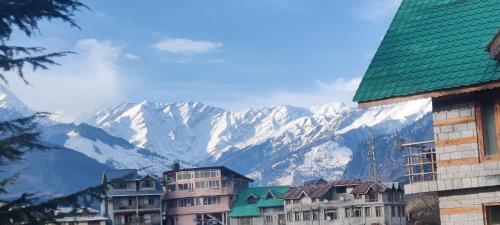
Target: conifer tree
(23,134)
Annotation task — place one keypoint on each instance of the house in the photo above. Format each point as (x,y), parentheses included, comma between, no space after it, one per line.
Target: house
(80,216)
(448,51)
(131,198)
(345,202)
(259,206)
(315,181)
(200,196)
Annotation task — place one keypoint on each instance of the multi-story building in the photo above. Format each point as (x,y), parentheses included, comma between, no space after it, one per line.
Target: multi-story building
(448,51)
(346,202)
(131,198)
(259,206)
(200,196)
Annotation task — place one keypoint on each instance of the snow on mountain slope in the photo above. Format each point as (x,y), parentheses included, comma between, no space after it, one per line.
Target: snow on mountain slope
(279,145)
(193,131)
(11,107)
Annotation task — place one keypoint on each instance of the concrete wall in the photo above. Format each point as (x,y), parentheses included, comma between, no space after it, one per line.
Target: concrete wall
(307,205)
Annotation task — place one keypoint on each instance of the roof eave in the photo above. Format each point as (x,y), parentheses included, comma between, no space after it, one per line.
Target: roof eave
(431,94)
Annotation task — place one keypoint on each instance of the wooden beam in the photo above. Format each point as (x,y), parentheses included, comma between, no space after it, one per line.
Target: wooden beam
(458,141)
(446,122)
(465,210)
(456,162)
(433,94)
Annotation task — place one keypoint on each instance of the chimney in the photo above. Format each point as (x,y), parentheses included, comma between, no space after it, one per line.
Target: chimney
(494,47)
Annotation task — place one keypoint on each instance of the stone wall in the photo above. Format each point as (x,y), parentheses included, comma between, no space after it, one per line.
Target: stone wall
(457,152)
(465,207)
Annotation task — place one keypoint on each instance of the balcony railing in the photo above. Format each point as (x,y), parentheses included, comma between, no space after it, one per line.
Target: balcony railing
(420,161)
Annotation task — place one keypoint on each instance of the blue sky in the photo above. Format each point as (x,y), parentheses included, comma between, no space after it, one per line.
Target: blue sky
(228,53)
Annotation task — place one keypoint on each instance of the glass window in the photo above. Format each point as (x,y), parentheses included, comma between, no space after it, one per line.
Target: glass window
(297,216)
(368,212)
(306,216)
(493,215)
(330,214)
(268,219)
(315,215)
(378,211)
(488,125)
(289,216)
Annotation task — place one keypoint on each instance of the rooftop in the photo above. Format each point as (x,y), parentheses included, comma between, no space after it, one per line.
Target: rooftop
(266,197)
(222,168)
(431,46)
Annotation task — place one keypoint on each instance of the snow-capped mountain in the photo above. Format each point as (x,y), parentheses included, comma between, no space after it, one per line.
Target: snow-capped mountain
(278,145)
(198,133)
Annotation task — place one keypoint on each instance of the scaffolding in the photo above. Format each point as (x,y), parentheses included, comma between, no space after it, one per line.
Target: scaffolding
(420,161)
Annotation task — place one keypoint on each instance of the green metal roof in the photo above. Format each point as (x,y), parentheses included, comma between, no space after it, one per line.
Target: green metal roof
(433,45)
(242,208)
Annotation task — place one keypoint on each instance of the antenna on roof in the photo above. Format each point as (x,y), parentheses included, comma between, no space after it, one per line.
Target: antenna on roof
(372,156)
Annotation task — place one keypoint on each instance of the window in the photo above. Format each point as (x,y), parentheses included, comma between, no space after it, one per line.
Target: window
(148,183)
(172,203)
(368,212)
(185,202)
(487,113)
(402,211)
(206,173)
(316,215)
(281,219)
(393,211)
(268,220)
(184,175)
(306,216)
(151,201)
(289,216)
(295,201)
(183,187)
(356,212)
(211,200)
(245,221)
(297,216)
(252,199)
(492,215)
(330,214)
(347,212)
(378,211)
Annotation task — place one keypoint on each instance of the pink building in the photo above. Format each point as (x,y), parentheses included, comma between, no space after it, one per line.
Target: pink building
(200,196)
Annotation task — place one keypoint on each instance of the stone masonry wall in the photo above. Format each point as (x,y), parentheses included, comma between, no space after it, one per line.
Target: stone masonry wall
(468,204)
(457,151)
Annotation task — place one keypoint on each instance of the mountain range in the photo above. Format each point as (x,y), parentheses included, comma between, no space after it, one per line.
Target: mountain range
(273,145)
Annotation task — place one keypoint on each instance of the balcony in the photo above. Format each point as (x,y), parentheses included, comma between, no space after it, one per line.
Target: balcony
(420,166)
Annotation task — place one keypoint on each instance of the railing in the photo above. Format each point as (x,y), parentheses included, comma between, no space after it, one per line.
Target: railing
(420,161)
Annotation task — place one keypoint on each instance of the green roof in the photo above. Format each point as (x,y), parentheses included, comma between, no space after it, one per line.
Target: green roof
(242,208)
(433,45)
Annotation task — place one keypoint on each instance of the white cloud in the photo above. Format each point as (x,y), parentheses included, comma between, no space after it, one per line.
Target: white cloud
(132,56)
(340,90)
(83,82)
(379,10)
(186,46)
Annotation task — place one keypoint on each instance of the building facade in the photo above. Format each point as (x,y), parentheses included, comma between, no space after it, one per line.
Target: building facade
(131,199)
(448,51)
(81,216)
(259,206)
(200,196)
(345,202)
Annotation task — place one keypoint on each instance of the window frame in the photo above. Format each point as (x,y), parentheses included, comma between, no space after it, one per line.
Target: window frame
(485,215)
(480,132)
